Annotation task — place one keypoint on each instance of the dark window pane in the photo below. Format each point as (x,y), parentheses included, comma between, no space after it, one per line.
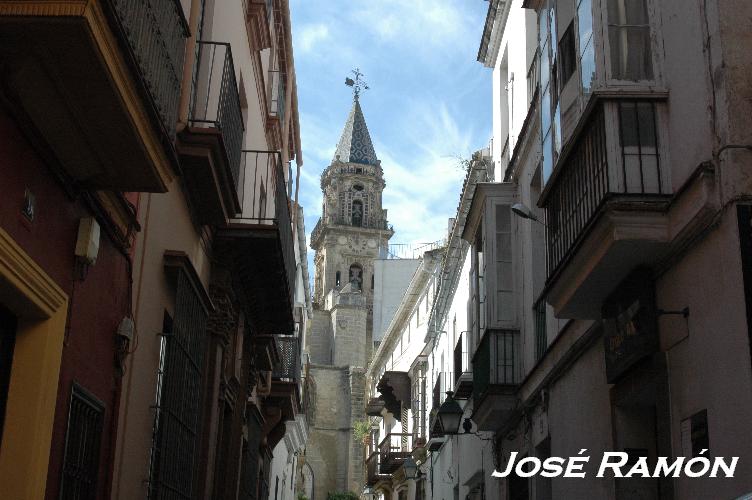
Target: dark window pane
(567,58)
(628,121)
(646,122)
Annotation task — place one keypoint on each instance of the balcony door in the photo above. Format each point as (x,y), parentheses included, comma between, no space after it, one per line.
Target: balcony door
(7,343)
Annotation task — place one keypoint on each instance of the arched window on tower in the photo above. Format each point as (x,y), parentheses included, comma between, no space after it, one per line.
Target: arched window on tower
(337,279)
(356,277)
(357,213)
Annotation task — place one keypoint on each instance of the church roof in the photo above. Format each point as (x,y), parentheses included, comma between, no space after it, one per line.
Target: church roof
(355,145)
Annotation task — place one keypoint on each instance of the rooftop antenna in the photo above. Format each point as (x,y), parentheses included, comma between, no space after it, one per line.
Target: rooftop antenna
(358,84)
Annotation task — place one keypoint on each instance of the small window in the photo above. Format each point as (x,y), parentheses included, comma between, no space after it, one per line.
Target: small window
(629,38)
(337,278)
(567,56)
(82,446)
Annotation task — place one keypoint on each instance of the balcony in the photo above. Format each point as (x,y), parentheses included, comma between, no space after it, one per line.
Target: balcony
(394,388)
(318,230)
(495,379)
(210,146)
(606,205)
(258,242)
(393,451)
(373,475)
(374,407)
(285,388)
(463,376)
(98,81)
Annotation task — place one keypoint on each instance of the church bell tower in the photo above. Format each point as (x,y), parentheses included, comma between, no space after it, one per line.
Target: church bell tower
(351,234)
(353,229)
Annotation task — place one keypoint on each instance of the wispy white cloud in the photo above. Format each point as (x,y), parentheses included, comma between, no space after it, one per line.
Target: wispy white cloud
(310,35)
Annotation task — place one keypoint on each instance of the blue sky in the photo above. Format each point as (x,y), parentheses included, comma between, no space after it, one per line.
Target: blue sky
(429,101)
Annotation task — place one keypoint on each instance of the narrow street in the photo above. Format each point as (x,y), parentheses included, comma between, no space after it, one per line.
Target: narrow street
(375,250)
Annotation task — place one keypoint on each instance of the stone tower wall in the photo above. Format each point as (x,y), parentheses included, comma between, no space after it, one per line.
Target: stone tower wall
(349,326)
(319,337)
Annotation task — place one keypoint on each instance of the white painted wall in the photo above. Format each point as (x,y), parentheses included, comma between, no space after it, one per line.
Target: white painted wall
(391,277)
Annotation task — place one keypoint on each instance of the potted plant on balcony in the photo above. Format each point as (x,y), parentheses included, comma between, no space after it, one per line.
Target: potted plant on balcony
(362,431)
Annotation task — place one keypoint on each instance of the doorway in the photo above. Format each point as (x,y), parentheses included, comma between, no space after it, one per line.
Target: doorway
(7,344)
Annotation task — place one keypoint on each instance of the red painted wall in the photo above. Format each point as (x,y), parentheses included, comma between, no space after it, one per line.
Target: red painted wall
(97,303)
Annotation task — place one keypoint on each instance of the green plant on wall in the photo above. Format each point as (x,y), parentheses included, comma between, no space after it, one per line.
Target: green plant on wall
(361,430)
(342,495)
(301,496)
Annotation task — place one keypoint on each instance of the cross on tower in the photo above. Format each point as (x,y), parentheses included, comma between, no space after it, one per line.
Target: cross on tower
(358,84)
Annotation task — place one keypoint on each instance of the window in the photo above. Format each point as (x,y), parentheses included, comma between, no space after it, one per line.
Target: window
(549,90)
(503,343)
(639,147)
(357,213)
(586,53)
(177,412)
(82,446)
(337,278)
(504,268)
(567,58)
(629,39)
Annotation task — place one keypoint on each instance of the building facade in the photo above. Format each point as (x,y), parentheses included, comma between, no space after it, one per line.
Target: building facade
(606,325)
(351,234)
(155,282)
(606,273)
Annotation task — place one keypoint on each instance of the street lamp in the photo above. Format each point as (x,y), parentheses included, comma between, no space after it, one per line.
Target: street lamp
(521,210)
(369,493)
(450,415)
(411,468)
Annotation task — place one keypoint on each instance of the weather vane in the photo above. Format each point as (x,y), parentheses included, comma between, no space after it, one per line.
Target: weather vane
(358,84)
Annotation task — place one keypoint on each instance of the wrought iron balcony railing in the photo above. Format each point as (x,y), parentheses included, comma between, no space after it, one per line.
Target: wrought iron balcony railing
(155,31)
(592,172)
(394,450)
(288,369)
(264,201)
(373,475)
(541,340)
(215,100)
(461,357)
(495,361)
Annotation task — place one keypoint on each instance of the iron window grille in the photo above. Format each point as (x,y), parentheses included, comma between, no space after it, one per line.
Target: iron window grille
(541,339)
(82,446)
(177,409)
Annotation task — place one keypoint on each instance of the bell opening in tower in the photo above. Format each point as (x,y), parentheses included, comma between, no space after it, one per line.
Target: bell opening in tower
(356,277)
(357,213)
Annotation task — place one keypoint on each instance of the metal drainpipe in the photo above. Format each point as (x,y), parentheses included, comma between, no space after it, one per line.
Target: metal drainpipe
(189,62)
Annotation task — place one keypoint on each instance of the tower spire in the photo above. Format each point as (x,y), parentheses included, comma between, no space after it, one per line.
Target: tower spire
(355,145)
